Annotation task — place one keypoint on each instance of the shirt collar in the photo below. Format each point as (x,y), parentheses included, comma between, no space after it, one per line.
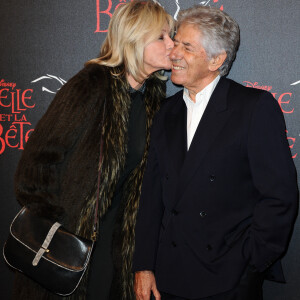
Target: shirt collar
(203,94)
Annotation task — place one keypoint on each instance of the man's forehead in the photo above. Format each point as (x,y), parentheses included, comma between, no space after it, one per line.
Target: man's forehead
(188,34)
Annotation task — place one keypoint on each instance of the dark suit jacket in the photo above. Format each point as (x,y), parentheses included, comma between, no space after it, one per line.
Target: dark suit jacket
(229,201)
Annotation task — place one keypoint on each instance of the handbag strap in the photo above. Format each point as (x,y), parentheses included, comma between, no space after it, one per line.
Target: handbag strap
(46,243)
(97,204)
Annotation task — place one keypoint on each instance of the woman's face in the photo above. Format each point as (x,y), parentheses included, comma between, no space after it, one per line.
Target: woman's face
(156,53)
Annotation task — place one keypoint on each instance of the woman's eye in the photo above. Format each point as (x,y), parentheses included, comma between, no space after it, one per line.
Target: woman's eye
(161,37)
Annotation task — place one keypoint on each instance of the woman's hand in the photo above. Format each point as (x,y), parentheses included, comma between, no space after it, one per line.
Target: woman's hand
(144,283)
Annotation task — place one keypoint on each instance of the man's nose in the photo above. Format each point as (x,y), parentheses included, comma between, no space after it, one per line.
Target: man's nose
(175,53)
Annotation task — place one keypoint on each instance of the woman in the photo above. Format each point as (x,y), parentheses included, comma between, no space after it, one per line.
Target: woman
(57,174)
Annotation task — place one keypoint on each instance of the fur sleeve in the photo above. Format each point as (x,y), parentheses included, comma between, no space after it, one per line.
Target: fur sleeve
(37,179)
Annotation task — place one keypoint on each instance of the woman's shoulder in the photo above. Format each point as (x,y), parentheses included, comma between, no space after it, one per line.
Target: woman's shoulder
(91,75)
(94,69)
(80,94)
(85,87)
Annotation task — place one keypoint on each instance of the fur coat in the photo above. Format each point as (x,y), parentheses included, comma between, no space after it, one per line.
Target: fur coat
(57,173)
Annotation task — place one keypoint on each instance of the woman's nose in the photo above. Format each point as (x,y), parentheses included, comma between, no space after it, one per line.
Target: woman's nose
(170,43)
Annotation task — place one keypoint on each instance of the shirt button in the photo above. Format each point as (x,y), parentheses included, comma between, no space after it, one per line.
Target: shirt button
(212,178)
(174,212)
(174,244)
(203,214)
(208,247)
(167,177)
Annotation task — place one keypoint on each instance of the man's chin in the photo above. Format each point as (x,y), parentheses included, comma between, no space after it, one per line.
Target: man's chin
(176,80)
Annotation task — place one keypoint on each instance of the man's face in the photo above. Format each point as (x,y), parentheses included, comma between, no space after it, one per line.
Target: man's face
(191,66)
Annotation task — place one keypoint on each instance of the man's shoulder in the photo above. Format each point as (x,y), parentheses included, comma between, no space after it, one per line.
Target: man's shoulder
(242,96)
(176,97)
(171,101)
(240,89)
(169,105)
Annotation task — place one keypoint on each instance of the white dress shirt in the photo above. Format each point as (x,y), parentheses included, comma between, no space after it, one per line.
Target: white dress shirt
(196,109)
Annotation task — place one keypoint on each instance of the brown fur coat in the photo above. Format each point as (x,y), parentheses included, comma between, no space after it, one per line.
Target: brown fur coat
(56,176)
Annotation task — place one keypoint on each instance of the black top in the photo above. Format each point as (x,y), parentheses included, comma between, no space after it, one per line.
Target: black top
(101,268)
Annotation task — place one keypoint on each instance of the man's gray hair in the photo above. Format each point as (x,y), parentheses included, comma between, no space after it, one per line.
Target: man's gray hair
(219,32)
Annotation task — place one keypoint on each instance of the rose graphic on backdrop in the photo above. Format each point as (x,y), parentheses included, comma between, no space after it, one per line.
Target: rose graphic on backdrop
(204,3)
(48,76)
(295,83)
(284,100)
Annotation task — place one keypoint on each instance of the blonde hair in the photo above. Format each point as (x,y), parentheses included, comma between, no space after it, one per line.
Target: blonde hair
(132,26)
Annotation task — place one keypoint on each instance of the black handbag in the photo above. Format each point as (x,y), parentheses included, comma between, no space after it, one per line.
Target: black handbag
(46,252)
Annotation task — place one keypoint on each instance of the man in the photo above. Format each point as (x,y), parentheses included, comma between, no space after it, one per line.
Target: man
(219,195)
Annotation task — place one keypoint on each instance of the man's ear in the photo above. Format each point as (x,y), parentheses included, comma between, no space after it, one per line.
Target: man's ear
(216,62)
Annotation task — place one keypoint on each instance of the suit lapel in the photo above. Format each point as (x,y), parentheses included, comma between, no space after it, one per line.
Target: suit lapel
(175,124)
(213,120)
